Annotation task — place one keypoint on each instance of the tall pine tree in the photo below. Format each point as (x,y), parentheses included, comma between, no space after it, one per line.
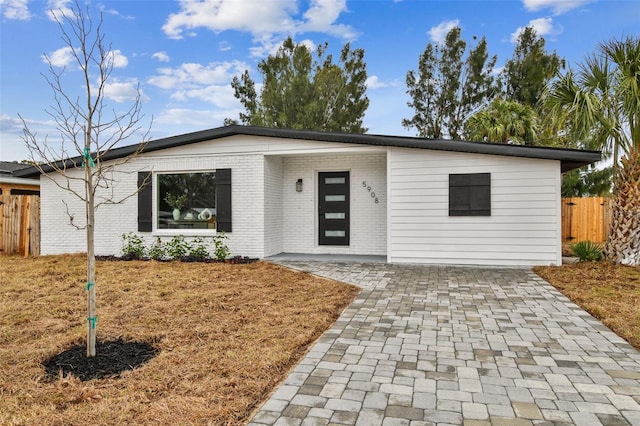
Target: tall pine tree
(530,69)
(306,91)
(448,88)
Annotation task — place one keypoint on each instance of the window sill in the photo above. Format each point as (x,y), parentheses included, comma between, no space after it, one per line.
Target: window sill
(184,232)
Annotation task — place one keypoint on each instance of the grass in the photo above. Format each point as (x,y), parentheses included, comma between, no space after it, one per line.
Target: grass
(227,334)
(609,292)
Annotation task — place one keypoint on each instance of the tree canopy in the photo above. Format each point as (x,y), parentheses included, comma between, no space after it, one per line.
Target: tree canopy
(600,100)
(515,117)
(530,68)
(448,87)
(504,121)
(303,90)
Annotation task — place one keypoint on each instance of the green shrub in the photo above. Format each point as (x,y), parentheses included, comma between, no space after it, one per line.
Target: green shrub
(220,248)
(587,251)
(199,250)
(132,246)
(158,251)
(178,248)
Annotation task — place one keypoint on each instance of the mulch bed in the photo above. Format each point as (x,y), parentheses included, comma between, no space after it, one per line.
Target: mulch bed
(112,359)
(235,260)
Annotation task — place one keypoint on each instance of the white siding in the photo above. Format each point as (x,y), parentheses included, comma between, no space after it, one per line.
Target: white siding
(368,219)
(523,228)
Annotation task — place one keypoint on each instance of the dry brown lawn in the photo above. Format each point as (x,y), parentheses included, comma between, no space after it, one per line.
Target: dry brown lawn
(609,292)
(227,334)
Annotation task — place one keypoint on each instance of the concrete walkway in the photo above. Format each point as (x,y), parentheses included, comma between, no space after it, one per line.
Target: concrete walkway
(440,345)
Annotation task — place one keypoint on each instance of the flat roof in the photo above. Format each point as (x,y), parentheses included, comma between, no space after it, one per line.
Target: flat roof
(570,158)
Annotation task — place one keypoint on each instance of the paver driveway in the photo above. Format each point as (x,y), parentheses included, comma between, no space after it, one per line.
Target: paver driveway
(425,345)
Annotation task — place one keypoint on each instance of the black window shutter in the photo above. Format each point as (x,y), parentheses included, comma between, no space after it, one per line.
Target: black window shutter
(145,202)
(223,200)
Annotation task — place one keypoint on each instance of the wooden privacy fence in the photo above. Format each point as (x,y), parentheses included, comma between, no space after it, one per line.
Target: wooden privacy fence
(586,219)
(20,225)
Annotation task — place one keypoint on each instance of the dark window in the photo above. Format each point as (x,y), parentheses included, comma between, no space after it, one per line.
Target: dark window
(25,192)
(202,201)
(187,201)
(470,194)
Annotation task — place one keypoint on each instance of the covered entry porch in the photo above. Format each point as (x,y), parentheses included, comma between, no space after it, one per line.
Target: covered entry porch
(326,203)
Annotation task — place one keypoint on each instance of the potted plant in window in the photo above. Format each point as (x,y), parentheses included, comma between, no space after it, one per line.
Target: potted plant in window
(176,203)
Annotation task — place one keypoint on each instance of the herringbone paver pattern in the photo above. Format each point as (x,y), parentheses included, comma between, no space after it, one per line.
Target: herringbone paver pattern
(441,345)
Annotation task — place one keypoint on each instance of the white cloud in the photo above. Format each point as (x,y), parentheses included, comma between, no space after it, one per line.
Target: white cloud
(266,20)
(60,58)
(122,91)
(161,56)
(15,9)
(193,75)
(210,83)
(12,146)
(374,82)
(221,96)
(242,15)
(197,119)
(57,8)
(265,45)
(119,60)
(557,6)
(439,32)
(321,17)
(542,26)
(269,45)
(63,57)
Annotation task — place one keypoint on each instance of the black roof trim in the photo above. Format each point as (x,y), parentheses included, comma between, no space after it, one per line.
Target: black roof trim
(9,168)
(570,158)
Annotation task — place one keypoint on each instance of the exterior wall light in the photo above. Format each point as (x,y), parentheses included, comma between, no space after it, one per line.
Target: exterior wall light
(299,185)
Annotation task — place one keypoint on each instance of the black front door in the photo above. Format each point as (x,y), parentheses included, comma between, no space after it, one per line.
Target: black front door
(333,208)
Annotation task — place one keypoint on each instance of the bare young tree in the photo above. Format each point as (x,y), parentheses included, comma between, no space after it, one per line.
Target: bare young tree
(88,133)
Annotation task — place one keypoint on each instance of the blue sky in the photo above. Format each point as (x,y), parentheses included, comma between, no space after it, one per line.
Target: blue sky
(183,54)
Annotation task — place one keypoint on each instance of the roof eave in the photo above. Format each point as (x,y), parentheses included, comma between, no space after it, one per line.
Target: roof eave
(570,159)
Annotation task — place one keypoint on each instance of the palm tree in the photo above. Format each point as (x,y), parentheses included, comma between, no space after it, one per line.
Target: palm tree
(504,122)
(602,102)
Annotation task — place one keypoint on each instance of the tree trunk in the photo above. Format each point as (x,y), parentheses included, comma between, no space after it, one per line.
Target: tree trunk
(91,264)
(623,242)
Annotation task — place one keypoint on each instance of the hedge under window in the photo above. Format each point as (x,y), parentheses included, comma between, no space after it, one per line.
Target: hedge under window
(470,194)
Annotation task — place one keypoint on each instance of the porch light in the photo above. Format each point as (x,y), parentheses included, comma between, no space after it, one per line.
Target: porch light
(299,185)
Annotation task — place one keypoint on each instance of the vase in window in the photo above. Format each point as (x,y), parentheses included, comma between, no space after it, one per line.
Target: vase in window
(176,202)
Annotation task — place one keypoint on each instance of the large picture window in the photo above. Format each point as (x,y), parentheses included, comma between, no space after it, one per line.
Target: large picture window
(186,200)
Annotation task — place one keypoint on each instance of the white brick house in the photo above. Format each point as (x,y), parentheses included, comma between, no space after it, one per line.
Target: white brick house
(286,191)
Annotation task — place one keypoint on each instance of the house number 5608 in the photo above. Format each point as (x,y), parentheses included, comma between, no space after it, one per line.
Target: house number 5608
(368,188)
